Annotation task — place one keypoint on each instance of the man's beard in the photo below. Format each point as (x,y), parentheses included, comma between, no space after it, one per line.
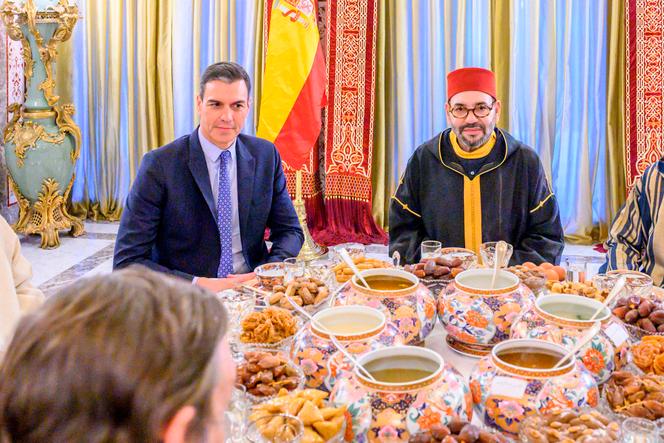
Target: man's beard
(488,130)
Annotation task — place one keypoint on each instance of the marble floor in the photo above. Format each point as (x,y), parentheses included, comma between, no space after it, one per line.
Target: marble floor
(92,254)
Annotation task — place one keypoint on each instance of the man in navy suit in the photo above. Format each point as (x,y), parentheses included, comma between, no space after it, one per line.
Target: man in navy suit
(199,206)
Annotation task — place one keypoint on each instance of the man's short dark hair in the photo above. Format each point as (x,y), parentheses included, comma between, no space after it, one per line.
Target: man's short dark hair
(112,358)
(227,72)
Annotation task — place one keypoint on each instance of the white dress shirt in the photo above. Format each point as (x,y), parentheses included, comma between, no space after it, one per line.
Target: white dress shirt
(212,159)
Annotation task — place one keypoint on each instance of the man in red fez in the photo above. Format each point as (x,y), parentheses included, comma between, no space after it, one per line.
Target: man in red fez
(475,183)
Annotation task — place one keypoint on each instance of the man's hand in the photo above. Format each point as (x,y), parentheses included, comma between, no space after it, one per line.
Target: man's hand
(219,284)
(241,278)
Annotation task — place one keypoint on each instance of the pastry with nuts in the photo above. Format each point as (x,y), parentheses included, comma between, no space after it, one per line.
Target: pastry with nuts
(269,326)
(570,426)
(636,395)
(577,288)
(321,421)
(648,354)
(343,272)
(304,291)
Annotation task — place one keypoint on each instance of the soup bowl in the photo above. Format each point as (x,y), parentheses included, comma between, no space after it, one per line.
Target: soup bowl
(517,380)
(359,329)
(414,390)
(407,303)
(565,319)
(477,316)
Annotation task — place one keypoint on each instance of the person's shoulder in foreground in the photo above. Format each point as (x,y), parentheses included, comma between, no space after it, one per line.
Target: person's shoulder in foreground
(17,294)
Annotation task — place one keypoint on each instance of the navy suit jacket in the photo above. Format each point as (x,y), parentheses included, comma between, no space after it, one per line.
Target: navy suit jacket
(169,221)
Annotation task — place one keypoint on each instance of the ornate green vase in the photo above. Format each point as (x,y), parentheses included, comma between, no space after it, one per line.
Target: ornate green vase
(42,142)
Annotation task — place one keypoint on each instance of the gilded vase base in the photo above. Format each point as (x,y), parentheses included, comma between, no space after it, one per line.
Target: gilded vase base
(48,215)
(474,351)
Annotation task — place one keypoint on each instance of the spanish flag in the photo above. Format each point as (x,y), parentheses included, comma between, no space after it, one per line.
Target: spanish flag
(293,81)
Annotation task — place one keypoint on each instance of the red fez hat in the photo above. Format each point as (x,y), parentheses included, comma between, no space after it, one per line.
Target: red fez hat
(471,79)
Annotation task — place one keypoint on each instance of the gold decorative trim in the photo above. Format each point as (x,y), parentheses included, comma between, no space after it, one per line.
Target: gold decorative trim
(35,115)
(66,124)
(539,206)
(23,207)
(406,387)
(384,294)
(13,16)
(405,206)
(532,373)
(25,134)
(351,338)
(48,215)
(77,227)
(474,291)
(566,322)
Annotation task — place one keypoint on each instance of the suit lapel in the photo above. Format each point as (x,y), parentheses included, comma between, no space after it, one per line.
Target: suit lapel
(199,170)
(246,168)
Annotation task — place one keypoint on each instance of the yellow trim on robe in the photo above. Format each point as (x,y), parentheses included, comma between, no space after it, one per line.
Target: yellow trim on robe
(472,194)
(539,206)
(480,152)
(405,206)
(472,214)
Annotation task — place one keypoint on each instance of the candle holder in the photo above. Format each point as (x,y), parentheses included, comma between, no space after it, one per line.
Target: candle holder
(310,249)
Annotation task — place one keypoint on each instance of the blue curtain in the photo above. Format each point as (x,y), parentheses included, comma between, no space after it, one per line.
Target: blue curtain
(558,102)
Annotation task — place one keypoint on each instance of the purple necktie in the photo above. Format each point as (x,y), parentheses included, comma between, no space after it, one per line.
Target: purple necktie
(224,209)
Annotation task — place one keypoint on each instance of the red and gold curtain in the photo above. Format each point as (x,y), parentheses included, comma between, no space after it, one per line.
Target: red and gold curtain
(351,64)
(644,86)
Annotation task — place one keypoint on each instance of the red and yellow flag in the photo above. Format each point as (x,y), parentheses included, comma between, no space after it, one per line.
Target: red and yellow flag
(293,82)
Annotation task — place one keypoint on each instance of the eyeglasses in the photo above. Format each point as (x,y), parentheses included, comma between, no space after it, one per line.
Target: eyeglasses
(481,110)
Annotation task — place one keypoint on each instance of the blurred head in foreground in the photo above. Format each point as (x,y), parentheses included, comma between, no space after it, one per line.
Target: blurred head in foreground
(133,356)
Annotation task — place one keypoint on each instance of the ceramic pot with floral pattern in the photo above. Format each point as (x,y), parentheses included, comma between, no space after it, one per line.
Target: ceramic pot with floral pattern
(359,329)
(477,314)
(413,391)
(564,319)
(517,380)
(408,304)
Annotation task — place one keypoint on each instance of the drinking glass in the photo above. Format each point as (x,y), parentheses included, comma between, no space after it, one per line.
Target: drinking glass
(279,428)
(639,430)
(239,304)
(235,417)
(577,269)
(637,283)
(488,252)
(354,250)
(293,269)
(320,269)
(430,248)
